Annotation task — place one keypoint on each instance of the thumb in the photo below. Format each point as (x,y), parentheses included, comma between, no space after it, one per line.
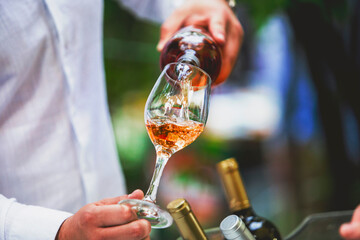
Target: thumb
(137,194)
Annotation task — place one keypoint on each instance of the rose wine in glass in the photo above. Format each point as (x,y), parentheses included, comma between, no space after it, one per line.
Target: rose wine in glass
(175,115)
(170,136)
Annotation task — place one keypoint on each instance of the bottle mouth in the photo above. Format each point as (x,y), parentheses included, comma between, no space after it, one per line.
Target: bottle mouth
(180,71)
(231,224)
(234,228)
(179,208)
(190,57)
(227,165)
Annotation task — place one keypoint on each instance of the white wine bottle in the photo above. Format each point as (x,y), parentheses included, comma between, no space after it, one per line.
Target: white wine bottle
(233,228)
(239,203)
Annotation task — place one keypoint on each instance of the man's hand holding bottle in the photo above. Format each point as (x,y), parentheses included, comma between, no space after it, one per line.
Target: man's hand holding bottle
(217,17)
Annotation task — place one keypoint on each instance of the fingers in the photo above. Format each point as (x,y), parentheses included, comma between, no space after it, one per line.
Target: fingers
(111,215)
(137,194)
(350,231)
(135,230)
(230,50)
(356,215)
(217,28)
(169,27)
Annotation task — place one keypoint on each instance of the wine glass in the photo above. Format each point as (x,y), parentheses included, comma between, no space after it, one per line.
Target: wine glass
(175,115)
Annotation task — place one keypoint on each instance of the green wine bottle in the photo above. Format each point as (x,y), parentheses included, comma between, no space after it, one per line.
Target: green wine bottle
(239,203)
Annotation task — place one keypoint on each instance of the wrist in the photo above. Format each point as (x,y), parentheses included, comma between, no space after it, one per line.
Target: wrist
(60,232)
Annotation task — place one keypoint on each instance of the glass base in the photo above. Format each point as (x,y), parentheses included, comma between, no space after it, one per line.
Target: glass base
(151,212)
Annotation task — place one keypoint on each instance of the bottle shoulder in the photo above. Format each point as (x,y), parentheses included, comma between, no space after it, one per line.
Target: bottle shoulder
(260,227)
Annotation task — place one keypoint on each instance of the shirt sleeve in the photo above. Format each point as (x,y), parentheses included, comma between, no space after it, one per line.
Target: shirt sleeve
(153,10)
(20,221)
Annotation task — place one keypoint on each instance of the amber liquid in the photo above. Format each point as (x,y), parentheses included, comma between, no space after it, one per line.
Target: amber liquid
(204,48)
(171,136)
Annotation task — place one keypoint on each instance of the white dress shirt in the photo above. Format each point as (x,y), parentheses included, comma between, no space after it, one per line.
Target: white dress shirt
(57,149)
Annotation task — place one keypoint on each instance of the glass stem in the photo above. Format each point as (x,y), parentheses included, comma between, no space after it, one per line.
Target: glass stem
(161,160)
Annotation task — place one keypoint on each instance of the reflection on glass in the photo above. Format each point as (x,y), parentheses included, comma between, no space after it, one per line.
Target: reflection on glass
(175,115)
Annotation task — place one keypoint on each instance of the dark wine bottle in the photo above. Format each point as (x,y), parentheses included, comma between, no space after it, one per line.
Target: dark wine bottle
(239,203)
(193,45)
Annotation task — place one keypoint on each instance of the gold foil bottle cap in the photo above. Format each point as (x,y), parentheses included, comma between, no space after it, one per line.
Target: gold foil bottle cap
(185,220)
(228,170)
(179,208)
(227,165)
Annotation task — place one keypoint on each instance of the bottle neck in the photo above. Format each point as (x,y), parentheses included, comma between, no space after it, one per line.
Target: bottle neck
(185,220)
(245,212)
(233,185)
(235,191)
(189,56)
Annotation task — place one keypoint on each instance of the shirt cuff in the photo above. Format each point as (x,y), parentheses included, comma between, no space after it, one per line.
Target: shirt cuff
(32,222)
